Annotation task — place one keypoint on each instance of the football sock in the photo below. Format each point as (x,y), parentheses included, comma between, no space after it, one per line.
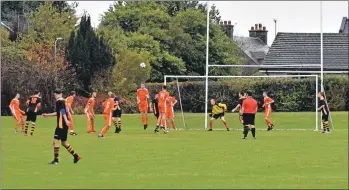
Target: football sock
(33,128)
(119,124)
(71,150)
(146,119)
(26,127)
(115,123)
(22,126)
(167,124)
(71,127)
(143,120)
(253,130)
(16,125)
(104,130)
(56,153)
(246,129)
(88,127)
(173,124)
(93,124)
(211,124)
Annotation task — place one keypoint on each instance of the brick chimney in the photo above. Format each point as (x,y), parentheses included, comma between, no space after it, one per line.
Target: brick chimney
(259,31)
(228,28)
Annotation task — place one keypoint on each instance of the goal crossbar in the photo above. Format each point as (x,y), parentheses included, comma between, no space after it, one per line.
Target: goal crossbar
(272,66)
(272,76)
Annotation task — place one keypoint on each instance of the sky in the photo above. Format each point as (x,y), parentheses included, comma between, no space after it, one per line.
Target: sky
(291,16)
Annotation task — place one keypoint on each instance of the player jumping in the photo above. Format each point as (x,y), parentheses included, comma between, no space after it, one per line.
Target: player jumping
(90,114)
(267,110)
(218,110)
(61,132)
(325,112)
(162,98)
(70,112)
(142,101)
(108,109)
(117,115)
(33,105)
(170,112)
(17,113)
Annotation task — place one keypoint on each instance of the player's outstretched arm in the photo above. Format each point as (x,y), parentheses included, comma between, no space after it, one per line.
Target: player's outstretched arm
(237,107)
(49,114)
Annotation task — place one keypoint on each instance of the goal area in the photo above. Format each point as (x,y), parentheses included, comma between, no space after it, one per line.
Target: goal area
(295,97)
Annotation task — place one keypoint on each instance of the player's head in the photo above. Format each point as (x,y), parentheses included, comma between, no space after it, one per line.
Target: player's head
(36,92)
(213,101)
(241,94)
(142,86)
(321,94)
(249,93)
(109,94)
(94,94)
(164,87)
(265,94)
(17,96)
(57,93)
(73,93)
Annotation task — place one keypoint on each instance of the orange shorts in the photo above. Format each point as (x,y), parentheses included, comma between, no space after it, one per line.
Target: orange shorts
(107,118)
(169,113)
(18,116)
(143,107)
(162,108)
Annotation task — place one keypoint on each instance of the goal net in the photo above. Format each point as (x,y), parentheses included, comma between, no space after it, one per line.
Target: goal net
(295,97)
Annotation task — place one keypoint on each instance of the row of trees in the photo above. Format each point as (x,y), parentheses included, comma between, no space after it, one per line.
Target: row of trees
(170,37)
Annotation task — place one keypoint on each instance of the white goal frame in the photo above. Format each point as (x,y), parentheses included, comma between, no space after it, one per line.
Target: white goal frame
(271,76)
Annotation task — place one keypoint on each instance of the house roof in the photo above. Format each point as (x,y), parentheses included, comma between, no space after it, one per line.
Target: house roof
(304,48)
(254,48)
(344,25)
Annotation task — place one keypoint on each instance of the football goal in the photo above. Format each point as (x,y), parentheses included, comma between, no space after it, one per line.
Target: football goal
(295,97)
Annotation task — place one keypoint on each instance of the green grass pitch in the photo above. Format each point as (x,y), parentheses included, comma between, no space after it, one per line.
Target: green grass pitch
(181,159)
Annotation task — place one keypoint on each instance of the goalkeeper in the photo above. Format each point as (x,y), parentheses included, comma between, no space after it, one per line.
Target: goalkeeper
(218,110)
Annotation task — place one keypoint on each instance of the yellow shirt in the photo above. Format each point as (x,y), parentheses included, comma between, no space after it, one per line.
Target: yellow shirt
(219,108)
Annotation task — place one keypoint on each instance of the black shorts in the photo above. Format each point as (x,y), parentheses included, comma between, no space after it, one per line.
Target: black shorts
(248,118)
(324,117)
(117,113)
(61,133)
(220,115)
(31,116)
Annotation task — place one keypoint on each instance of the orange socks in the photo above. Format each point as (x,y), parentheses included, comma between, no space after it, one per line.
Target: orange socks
(104,130)
(146,119)
(93,124)
(211,124)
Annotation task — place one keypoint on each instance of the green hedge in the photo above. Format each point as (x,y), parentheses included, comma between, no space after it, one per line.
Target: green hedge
(290,95)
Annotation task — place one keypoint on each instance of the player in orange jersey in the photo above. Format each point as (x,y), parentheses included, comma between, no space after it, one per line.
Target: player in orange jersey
(108,111)
(70,112)
(17,113)
(170,112)
(142,101)
(90,114)
(163,99)
(267,110)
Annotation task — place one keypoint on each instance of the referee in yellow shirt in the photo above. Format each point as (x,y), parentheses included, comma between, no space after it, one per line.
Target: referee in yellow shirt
(218,110)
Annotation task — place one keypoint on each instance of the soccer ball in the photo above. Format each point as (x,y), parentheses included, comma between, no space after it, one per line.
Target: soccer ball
(142,65)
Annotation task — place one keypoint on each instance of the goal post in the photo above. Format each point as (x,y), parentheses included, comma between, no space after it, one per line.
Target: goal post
(176,77)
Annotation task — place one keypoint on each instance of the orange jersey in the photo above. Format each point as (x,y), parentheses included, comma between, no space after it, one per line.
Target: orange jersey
(108,105)
(163,97)
(142,95)
(171,101)
(90,105)
(267,102)
(14,106)
(250,105)
(69,101)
